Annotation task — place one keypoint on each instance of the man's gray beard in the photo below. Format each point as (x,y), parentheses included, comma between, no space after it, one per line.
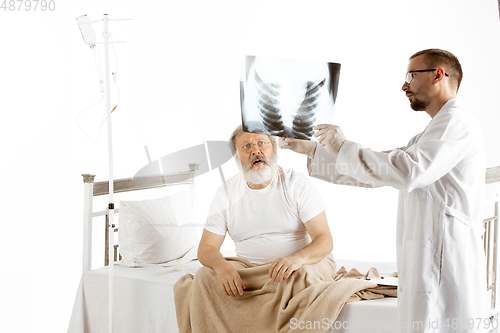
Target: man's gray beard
(263,173)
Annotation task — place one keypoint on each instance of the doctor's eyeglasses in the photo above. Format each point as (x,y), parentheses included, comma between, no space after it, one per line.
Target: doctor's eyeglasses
(249,146)
(410,75)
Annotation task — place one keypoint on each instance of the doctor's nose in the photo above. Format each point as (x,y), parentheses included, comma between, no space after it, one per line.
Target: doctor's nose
(405,86)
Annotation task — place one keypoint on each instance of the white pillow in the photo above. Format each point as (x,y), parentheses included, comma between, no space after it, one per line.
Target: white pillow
(156,230)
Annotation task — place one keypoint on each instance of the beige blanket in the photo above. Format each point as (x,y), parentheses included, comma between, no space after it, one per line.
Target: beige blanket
(314,293)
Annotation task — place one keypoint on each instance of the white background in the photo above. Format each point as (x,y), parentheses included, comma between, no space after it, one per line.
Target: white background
(178,75)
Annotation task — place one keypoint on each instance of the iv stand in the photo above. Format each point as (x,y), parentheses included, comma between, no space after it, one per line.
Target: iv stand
(111,207)
(89,38)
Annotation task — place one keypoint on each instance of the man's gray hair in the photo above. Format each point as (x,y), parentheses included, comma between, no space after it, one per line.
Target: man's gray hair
(237,131)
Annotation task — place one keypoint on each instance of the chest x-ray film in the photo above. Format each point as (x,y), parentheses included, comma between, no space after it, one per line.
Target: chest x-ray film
(287,97)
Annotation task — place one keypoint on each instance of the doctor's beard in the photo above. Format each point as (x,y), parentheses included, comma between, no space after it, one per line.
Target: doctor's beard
(418,104)
(260,173)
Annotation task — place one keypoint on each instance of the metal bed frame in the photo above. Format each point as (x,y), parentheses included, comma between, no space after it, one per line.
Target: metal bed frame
(93,189)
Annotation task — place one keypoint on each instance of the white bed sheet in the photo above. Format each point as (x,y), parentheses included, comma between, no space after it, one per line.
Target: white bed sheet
(144,301)
(367,316)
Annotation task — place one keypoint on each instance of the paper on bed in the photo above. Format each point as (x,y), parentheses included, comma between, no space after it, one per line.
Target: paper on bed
(386,281)
(384,268)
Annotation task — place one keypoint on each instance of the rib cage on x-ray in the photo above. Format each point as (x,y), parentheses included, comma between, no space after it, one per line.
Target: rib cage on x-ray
(303,122)
(287,97)
(268,96)
(269,106)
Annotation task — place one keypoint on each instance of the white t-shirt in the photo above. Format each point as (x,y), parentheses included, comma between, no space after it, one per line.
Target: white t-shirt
(265,224)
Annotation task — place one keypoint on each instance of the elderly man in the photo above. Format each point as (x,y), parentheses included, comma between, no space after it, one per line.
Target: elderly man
(272,214)
(440,175)
(284,277)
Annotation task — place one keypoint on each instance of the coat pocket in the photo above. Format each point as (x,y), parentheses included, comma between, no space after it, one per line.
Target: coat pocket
(454,213)
(420,269)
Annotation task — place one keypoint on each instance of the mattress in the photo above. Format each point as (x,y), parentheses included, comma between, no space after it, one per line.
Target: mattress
(367,316)
(144,301)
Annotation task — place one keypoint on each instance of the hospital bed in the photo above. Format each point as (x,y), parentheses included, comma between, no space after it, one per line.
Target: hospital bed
(143,293)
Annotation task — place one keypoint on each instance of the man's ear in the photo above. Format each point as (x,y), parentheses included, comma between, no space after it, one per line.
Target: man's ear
(440,74)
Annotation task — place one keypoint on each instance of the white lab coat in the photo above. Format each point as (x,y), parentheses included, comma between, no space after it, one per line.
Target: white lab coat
(440,175)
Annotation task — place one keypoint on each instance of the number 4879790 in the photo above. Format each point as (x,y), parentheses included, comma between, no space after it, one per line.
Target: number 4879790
(28,5)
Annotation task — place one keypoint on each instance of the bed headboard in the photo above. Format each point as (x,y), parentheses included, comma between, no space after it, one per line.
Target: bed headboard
(93,189)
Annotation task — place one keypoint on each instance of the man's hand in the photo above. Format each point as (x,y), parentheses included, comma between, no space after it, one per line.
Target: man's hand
(209,255)
(282,268)
(330,136)
(305,147)
(230,281)
(321,244)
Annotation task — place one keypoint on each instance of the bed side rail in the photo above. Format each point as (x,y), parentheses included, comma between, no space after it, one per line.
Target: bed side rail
(490,239)
(93,189)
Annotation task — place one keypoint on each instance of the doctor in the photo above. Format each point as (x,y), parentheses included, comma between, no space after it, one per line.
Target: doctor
(440,176)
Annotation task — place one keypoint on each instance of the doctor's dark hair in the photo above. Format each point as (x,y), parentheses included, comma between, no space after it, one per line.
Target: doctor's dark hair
(441,58)
(237,131)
